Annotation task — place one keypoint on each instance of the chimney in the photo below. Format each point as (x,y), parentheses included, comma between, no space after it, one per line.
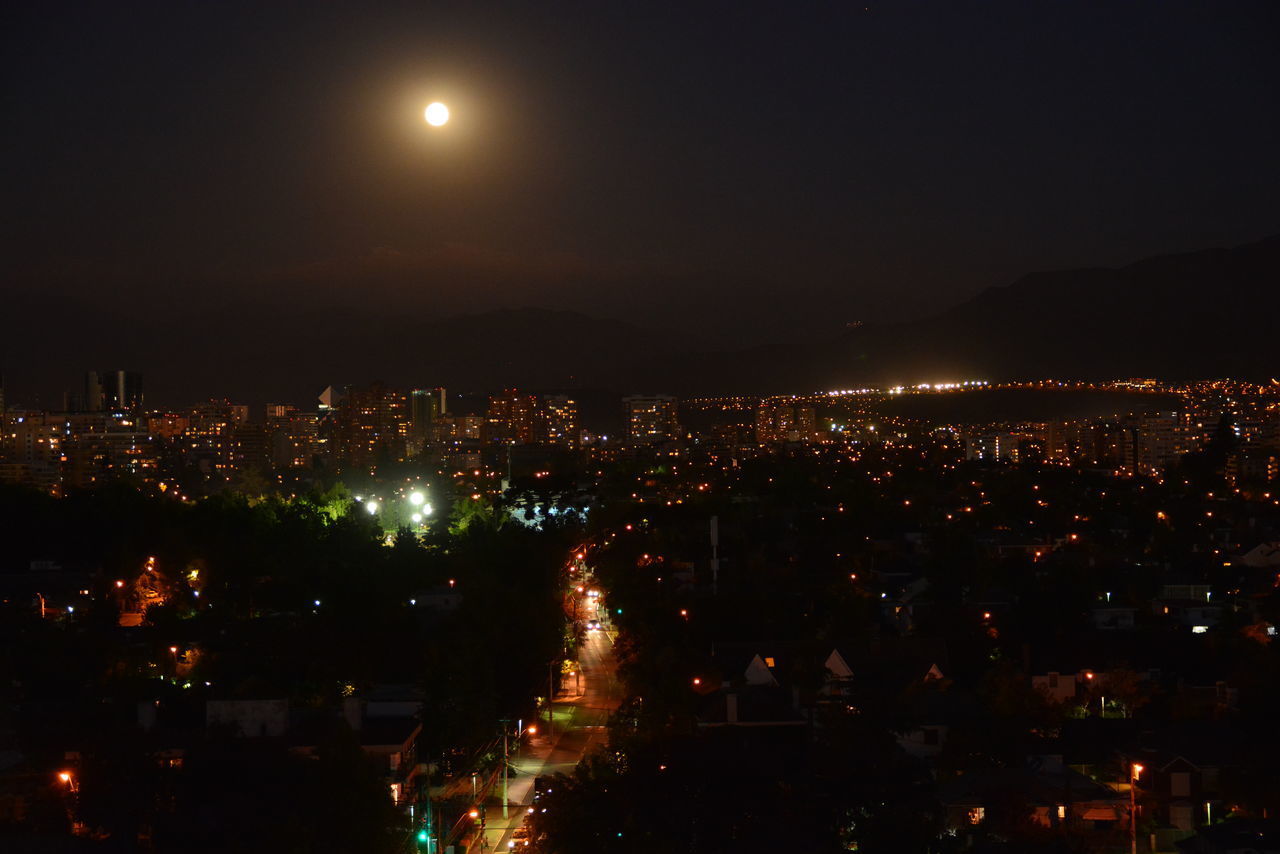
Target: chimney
(731,708)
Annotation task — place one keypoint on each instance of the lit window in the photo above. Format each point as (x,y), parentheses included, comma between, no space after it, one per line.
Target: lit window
(977,814)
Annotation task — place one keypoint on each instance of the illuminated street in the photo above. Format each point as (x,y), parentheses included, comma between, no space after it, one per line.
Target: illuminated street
(580,719)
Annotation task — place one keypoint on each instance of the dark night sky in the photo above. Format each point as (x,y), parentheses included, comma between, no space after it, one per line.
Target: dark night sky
(767,168)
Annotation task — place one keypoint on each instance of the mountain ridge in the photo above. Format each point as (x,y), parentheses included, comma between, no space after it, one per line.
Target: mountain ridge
(1179,316)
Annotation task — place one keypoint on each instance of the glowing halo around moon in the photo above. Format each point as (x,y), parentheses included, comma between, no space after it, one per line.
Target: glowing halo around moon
(437,114)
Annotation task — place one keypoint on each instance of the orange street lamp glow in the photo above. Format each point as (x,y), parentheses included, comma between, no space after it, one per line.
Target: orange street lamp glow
(1137,770)
(64,776)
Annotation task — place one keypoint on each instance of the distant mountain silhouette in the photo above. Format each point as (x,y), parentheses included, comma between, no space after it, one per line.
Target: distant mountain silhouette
(1194,315)
(1199,314)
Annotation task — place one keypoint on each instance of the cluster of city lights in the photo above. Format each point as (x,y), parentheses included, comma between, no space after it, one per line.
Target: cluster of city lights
(417,500)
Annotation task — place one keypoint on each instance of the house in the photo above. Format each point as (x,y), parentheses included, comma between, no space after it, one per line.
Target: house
(750,706)
(1195,614)
(1182,768)
(753,689)
(839,676)
(1051,793)
(934,710)
(1058,687)
(1262,556)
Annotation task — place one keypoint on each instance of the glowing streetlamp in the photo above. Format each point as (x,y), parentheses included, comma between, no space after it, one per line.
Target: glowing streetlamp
(416,498)
(1135,772)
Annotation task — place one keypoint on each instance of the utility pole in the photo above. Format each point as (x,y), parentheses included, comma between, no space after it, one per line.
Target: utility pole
(715,556)
(1135,771)
(551,709)
(433,828)
(505,724)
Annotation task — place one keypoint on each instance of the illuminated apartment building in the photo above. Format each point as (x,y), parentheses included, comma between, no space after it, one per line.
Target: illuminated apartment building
(560,420)
(651,419)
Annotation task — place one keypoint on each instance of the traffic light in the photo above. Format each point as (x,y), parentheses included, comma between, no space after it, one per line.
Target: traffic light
(423,836)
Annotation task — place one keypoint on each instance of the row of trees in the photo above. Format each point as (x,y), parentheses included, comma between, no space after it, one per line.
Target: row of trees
(300,600)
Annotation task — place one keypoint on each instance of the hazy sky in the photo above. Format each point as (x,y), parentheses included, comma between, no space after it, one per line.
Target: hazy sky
(760,167)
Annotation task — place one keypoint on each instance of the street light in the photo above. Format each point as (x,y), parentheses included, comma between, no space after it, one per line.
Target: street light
(1135,772)
(416,498)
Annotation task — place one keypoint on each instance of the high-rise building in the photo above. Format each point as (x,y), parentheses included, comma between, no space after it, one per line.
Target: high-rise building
(97,446)
(779,422)
(426,407)
(560,420)
(807,423)
(207,441)
(651,419)
(112,391)
(33,450)
(167,425)
(372,422)
(250,448)
(291,435)
(513,418)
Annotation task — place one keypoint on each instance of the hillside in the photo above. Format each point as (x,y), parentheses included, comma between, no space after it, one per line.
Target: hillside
(1198,314)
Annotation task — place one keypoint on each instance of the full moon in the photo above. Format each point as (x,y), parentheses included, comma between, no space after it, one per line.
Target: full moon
(437,114)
